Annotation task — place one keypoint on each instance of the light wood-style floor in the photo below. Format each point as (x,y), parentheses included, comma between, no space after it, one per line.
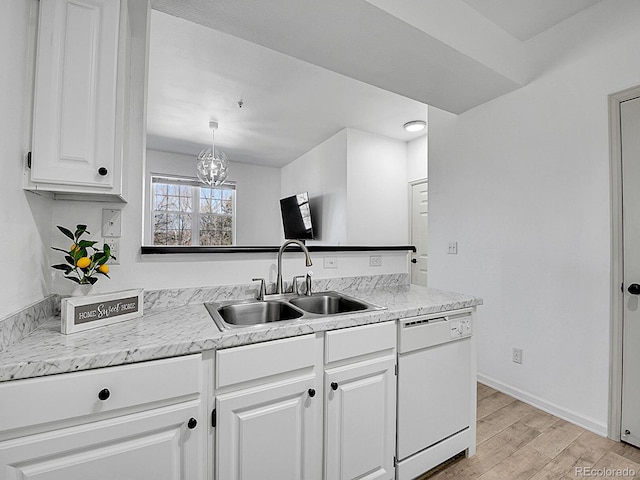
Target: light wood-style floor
(519,442)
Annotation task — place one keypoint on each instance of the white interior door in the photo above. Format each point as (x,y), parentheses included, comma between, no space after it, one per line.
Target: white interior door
(419,209)
(630,131)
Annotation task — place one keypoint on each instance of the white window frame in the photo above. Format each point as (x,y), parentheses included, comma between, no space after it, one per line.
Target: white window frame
(195,202)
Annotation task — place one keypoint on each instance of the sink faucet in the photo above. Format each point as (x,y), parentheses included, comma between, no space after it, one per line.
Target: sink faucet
(279,283)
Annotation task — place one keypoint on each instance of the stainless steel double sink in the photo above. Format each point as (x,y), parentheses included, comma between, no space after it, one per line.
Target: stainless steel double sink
(285,307)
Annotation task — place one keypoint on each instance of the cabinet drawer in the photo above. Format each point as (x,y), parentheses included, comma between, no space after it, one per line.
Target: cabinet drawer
(356,341)
(260,360)
(41,400)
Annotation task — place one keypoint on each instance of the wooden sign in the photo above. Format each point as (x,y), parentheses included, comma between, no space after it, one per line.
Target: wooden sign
(83,313)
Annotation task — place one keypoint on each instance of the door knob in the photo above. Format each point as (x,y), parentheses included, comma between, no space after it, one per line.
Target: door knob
(312,392)
(414,260)
(102,171)
(334,386)
(634,289)
(192,423)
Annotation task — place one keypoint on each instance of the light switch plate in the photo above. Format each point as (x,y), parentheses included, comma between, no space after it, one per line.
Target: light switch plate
(453,248)
(111,223)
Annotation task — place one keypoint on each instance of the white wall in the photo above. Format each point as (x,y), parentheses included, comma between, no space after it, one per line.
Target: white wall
(522,184)
(322,172)
(377,191)
(417,154)
(257,195)
(357,184)
(25,217)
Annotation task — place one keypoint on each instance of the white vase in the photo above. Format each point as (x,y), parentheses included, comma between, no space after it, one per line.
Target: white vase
(82,290)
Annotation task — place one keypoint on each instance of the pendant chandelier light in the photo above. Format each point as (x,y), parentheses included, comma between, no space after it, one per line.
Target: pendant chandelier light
(212,163)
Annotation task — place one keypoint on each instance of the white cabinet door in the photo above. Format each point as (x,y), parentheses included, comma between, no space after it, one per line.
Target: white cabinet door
(156,444)
(272,431)
(75,99)
(360,422)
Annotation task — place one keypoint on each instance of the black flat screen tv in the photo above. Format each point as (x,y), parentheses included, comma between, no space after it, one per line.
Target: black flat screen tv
(296,217)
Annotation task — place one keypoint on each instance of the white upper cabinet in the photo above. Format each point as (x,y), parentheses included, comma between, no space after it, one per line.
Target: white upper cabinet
(78,99)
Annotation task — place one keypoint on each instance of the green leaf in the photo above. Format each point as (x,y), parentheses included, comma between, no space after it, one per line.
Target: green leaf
(66,231)
(73,279)
(80,229)
(64,267)
(92,280)
(107,249)
(86,243)
(60,250)
(70,260)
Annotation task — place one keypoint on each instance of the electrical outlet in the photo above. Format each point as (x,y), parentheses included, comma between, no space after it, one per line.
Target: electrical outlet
(375,261)
(330,262)
(114,245)
(517,355)
(453,248)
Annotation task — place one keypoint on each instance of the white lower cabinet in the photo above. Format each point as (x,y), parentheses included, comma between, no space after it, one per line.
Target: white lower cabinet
(360,420)
(360,414)
(269,410)
(276,418)
(155,444)
(139,421)
(270,432)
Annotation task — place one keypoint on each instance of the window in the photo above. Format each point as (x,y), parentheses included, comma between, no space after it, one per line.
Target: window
(186,212)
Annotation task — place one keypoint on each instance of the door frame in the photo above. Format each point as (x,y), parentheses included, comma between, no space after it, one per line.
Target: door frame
(617,261)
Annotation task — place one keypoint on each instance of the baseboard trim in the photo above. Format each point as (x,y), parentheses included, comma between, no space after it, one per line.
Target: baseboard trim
(549,407)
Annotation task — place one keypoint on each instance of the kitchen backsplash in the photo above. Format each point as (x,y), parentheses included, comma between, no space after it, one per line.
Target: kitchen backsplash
(156,299)
(17,326)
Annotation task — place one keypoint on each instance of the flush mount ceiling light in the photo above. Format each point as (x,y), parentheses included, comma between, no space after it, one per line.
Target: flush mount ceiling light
(212,163)
(415,125)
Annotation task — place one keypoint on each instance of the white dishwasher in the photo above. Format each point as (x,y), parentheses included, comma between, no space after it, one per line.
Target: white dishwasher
(436,391)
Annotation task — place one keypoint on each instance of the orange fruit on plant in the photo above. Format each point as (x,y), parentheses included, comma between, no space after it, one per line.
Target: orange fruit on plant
(103,268)
(83,262)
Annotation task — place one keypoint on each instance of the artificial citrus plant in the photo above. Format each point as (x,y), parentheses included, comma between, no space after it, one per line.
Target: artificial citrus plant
(84,260)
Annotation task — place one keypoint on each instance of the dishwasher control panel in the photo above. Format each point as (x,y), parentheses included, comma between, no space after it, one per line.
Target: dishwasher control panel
(460,328)
(433,329)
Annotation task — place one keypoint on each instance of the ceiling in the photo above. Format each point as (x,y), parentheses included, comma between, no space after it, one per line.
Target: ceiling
(524,19)
(305,70)
(197,74)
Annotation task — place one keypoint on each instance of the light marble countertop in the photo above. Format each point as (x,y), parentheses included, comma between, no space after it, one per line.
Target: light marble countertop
(187,329)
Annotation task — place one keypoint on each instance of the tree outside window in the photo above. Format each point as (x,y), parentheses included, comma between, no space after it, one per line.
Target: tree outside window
(186,212)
